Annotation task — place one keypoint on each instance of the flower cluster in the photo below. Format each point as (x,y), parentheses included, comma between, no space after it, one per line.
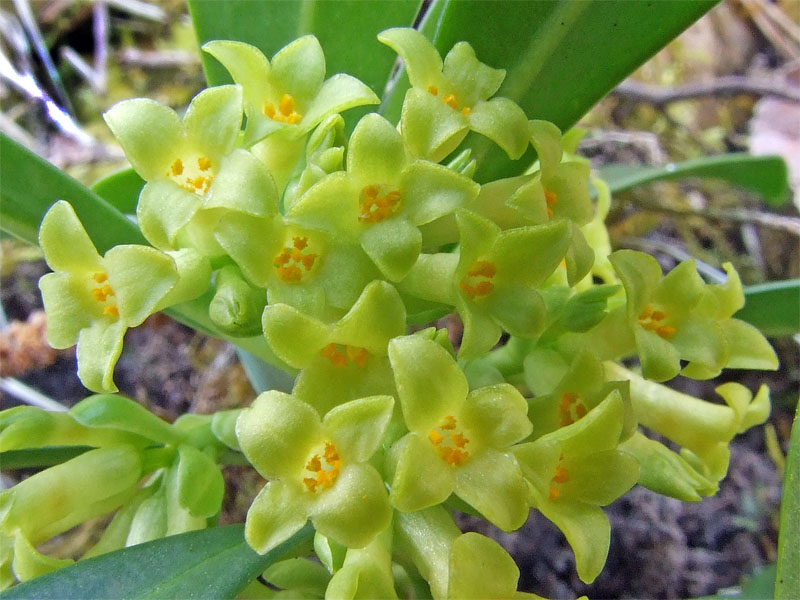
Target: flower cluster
(329,247)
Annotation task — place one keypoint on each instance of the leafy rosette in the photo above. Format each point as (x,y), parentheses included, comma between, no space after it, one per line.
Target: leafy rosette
(317,469)
(451,98)
(681,318)
(458,442)
(576,469)
(193,171)
(344,360)
(383,197)
(289,94)
(92,300)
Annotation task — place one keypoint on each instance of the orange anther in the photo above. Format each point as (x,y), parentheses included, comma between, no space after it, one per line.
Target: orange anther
(300,242)
(666,331)
(177,167)
(658,316)
(112,311)
(433,90)
(269,110)
(314,464)
(204,163)
(482,268)
(100,277)
(286,105)
(580,410)
(646,313)
(435,437)
(458,439)
(561,475)
(449,422)
(554,493)
(466,110)
(450,100)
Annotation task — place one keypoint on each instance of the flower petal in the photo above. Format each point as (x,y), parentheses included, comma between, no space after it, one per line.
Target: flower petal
(546,140)
(336,95)
(355,509)
(480,568)
(376,153)
(421,479)
(358,426)
(497,414)
(502,121)
(421,59)
(275,515)
(164,208)
(150,134)
(429,382)
(431,129)
(472,80)
(294,336)
(393,245)
(64,241)
(299,68)
(377,316)
(247,65)
(243,184)
(140,277)
(69,308)
(214,119)
(431,191)
(492,483)
(277,433)
(99,347)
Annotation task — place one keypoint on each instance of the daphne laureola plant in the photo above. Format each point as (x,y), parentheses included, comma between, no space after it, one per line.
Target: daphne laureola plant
(329,248)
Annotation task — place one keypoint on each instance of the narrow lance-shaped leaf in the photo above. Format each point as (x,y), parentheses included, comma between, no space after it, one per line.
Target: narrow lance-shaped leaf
(214,563)
(765,175)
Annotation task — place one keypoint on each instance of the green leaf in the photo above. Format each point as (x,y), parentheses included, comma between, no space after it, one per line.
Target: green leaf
(543,45)
(765,175)
(214,563)
(30,185)
(120,190)
(271,25)
(787,583)
(773,307)
(39,457)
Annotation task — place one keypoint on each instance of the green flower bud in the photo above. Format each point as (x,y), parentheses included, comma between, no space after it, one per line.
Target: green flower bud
(236,306)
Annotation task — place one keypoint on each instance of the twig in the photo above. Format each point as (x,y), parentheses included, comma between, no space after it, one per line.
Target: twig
(100,33)
(646,140)
(157,58)
(738,215)
(722,86)
(140,9)
(29,395)
(35,37)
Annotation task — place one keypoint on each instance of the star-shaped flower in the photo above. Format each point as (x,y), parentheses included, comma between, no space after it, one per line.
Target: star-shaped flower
(316,469)
(576,469)
(193,171)
(92,300)
(289,94)
(679,317)
(447,100)
(383,197)
(458,442)
(344,360)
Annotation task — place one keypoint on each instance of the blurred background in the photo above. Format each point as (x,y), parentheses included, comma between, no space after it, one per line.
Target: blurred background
(729,83)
